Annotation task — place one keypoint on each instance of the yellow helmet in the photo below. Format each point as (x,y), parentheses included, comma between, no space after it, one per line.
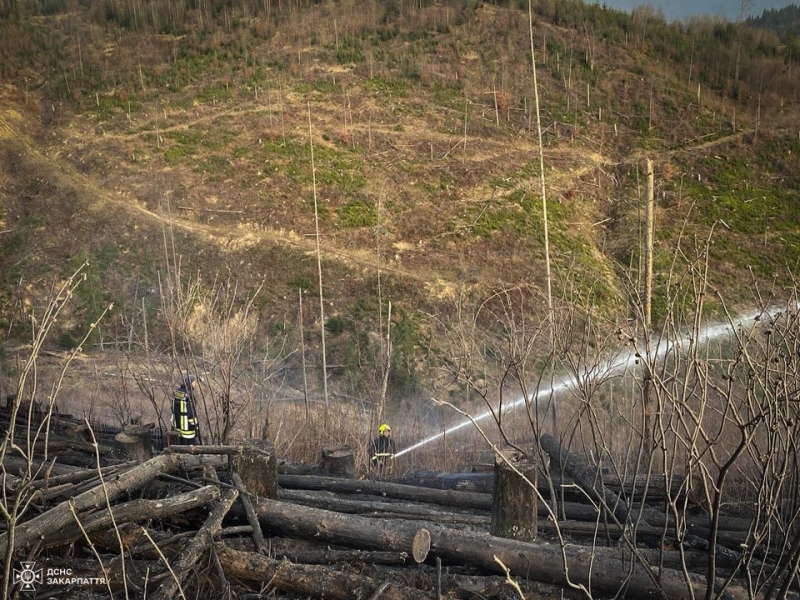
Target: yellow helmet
(384,428)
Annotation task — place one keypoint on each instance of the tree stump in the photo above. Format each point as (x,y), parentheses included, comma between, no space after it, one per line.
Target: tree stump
(513,499)
(134,442)
(258,468)
(338,461)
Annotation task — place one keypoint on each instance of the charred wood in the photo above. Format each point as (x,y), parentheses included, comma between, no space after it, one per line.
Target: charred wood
(297,551)
(584,477)
(204,538)
(134,442)
(311,580)
(60,516)
(338,461)
(199,450)
(331,501)
(483,482)
(136,510)
(513,501)
(347,530)
(383,488)
(604,570)
(257,467)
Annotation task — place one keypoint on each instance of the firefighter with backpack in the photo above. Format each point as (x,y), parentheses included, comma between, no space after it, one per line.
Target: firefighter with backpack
(184,412)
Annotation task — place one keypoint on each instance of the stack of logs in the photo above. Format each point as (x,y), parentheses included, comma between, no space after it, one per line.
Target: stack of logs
(208,521)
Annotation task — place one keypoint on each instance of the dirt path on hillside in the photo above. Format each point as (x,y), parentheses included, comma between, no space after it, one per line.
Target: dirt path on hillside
(578,162)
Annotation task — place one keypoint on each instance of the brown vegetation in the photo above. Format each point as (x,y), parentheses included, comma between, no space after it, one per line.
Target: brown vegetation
(160,215)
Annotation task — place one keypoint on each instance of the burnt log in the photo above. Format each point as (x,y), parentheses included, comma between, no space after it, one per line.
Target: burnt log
(189,556)
(287,468)
(61,515)
(606,571)
(199,450)
(388,489)
(654,484)
(584,477)
(50,478)
(137,541)
(583,521)
(39,470)
(514,500)
(311,553)
(345,530)
(403,510)
(135,510)
(482,483)
(309,580)
(338,461)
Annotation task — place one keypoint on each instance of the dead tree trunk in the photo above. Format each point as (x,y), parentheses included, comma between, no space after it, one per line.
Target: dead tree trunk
(514,499)
(584,477)
(347,530)
(309,580)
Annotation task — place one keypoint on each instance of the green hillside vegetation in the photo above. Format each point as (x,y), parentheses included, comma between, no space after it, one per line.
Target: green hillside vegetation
(173,141)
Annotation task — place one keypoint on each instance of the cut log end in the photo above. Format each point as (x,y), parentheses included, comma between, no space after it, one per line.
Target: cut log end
(421,546)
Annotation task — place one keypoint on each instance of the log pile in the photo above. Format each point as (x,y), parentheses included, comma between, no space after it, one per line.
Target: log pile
(226,521)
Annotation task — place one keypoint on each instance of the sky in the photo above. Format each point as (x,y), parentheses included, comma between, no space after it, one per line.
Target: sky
(680,9)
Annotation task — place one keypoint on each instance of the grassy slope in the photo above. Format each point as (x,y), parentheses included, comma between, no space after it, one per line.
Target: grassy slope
(116,140)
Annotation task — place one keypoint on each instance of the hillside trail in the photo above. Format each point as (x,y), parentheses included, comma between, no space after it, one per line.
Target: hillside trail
(14,125)
(227,237)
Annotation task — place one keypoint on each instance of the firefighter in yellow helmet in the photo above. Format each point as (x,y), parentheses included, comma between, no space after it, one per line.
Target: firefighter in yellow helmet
(382,450)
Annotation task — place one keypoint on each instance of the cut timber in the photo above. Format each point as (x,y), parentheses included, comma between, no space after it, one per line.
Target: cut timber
(189,556)
(76,475)
(258,468)
(135,510)
(134,442)
(604,571)
(514,499)
(403,510)
(338,461)
(584,477)
(309,580)
(483,482)
(310,553)
(198,450)
(386,489)
(59,517)
(346,530)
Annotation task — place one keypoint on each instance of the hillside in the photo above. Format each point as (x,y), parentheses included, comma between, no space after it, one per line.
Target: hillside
(210,143)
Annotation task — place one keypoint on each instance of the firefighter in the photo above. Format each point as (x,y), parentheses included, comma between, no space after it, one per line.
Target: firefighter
(184,414)
(382,450)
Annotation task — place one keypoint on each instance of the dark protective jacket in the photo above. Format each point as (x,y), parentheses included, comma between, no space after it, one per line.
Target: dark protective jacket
(382,447)
(184,419)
